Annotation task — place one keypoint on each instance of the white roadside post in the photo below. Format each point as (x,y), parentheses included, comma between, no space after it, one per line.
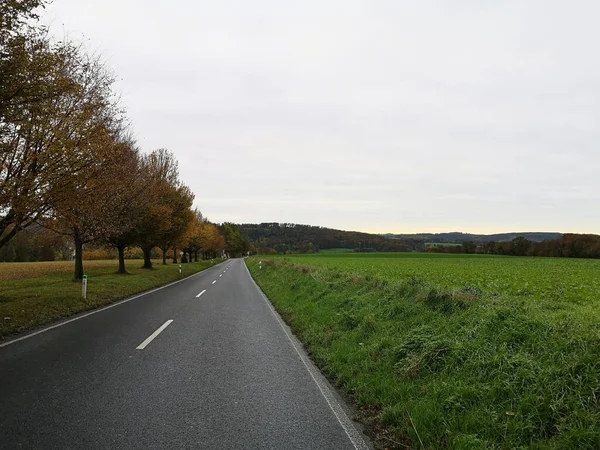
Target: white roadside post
(84,287)
(179,269)
(260,265)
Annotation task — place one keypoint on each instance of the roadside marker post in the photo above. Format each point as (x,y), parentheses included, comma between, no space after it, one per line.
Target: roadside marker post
(260,265)
(84,287)
(179,269)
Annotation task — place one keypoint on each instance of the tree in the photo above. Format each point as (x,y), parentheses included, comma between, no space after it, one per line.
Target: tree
(150,228)
(212,241)
(469,247)
(130,205)
(88,207)
(180,201)
(44,88)
(520,246)
(14,15)
(35,78)
(88,148)
(169,215)
(50,138)
(236,243)
(193,239)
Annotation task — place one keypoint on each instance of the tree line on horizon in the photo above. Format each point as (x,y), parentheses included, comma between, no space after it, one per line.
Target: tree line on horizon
(281,238)
(570,245)
(71,172)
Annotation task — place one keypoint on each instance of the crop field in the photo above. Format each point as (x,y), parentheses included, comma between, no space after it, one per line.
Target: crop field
(38,293)
(24,270)
(452,351)
(558,278)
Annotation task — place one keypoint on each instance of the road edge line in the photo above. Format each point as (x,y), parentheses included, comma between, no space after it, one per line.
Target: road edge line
(345,422)
(103,308)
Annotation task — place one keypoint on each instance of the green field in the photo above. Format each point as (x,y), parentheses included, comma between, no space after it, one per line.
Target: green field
(34,294)
(452,351)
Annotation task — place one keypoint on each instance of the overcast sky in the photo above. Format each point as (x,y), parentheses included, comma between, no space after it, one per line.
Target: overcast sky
(381,116)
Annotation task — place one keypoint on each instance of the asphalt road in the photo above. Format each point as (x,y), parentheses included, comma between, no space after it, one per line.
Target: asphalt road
(223,374)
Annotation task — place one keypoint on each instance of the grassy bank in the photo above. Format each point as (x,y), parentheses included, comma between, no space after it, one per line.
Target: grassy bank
(445,351)
(34,294)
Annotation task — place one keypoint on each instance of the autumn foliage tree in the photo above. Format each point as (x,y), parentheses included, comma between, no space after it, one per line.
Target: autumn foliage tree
(193,239)
(179,199)
(130,204)
(38,94)
(89,206)
(204,238)
(213,242)
(168,215)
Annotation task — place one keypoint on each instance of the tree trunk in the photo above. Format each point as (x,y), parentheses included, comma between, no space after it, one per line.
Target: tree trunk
(147,255)
(78,255)
(121,249)
(174,255)
(8,236)
(164,250)
(196,256)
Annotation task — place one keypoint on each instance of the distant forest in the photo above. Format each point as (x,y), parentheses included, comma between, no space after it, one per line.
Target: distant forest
(273,238)
(567,245)
(478,239)
(281,238)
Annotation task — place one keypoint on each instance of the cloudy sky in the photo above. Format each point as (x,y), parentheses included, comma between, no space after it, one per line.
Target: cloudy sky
(374,115)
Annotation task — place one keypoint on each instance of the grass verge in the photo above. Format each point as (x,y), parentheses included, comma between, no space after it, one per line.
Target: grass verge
(28,301)
(434,367)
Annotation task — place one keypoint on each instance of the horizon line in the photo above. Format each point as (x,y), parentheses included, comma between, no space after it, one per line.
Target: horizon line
(424,231)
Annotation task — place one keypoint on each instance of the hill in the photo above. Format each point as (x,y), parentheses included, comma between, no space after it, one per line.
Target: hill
(275,237)
(479,239)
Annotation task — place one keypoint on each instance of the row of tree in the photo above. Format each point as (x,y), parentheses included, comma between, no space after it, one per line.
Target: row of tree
(201,240)
(68,162)
(567,245)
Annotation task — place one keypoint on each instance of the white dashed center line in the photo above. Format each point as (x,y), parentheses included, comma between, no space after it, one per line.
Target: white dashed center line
(143,345)
(214,282)
(201,293)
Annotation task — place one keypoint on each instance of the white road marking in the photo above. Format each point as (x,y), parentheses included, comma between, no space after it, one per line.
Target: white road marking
(51,327)
(150,338)
(201,293)
(220,275)
(214,282)
(343,419)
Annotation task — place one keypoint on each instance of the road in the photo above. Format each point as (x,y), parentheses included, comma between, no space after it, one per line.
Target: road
(171,369)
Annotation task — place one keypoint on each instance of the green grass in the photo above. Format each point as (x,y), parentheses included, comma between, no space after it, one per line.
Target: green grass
(454,351)
(327,251)
(34,294)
